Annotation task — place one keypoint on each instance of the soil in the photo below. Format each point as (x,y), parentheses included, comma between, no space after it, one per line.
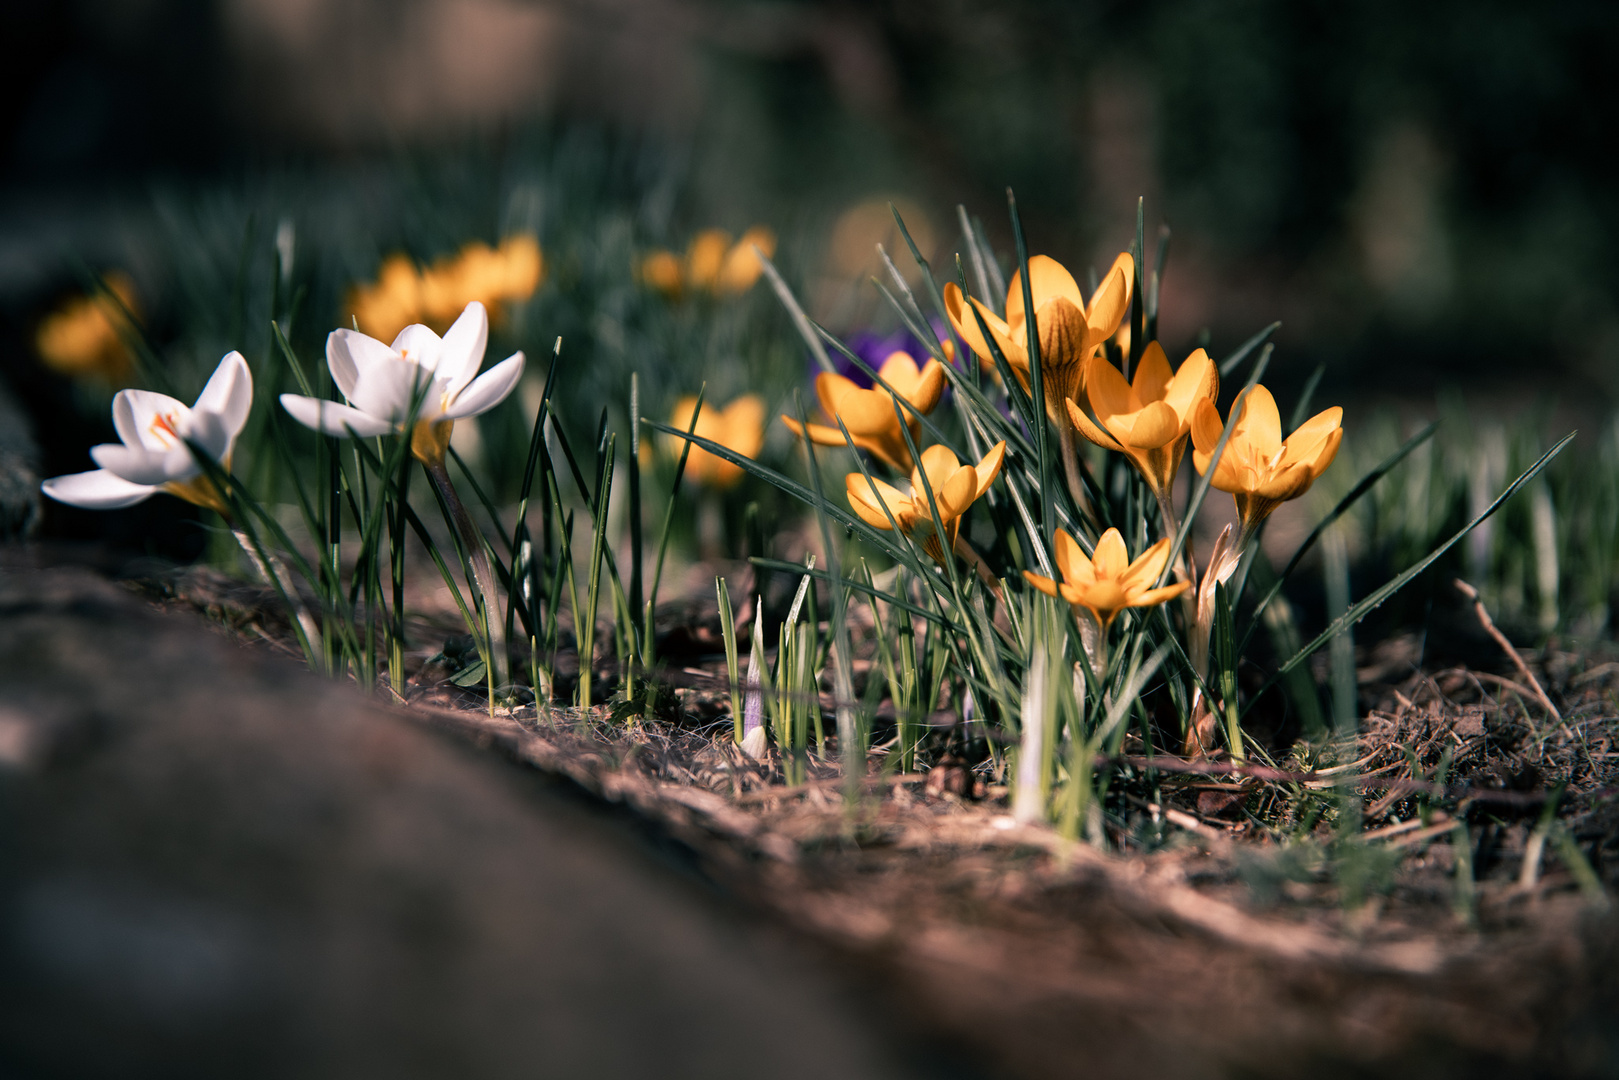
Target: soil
(1217,935)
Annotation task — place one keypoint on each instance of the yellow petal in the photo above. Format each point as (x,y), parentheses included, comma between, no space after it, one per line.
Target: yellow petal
(1072,562)
(1111,301)
(869,506)
(1153,376)
(1044,584)
(1158,596)
(1109,394)
(863,412)
(899,371)
(1063,333)
(961,318)
(1198,377)
(1146,570)
(819,434)
(743,425)
(1111,558)
(1090,430)
(1154,426)
(1260,426)
(940,463)
(1206,431)
(956,494)
(1048,280)
(990,467)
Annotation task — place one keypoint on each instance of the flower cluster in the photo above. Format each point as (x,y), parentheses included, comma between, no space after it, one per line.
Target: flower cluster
(404,293)
(739,426)
(712,264)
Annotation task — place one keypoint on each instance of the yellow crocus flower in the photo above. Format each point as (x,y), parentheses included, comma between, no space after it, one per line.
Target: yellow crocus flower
(955,488)
(742,267)
(1069,330)
(869,414)
(1107,582)
(1149,418)
(84,338)
(740,426)
(1259,468)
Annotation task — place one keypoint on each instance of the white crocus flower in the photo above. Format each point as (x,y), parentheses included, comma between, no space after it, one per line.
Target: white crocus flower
(153,455)
(381,382)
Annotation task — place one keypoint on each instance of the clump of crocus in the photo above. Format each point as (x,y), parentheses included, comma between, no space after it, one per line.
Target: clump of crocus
(1107,582)
(740,426)
(153,454)
(439,376)
(870,414)
(1149,418)
(84,338)
(435,295)
(1258,467)
(955,487)
(434,382)
(712,263)
(1068,329)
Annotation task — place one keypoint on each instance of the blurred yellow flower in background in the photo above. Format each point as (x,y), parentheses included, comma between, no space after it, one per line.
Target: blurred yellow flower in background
(869,414)
(740,426)
(1069,330)
(435,296)
(1107,582)
(1259,468)
(712,264)
(955,487)
(84,338)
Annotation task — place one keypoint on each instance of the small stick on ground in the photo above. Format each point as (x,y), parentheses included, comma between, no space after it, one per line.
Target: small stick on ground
(1506,647)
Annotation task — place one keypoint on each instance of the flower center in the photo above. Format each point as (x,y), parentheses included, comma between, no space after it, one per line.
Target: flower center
(163,428)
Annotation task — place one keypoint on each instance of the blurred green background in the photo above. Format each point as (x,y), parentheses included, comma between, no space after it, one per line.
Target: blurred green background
(1419,192)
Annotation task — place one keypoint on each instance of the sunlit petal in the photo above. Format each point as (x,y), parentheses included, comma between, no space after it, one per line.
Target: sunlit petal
(333,418)
(97,490)
(488,389)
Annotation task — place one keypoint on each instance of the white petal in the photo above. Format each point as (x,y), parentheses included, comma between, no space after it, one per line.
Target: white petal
(419,345)
(386,390)
(348,352)
(133,413)
(98,490)
(207,430)
(463,349)
(488,389)
(141,466)
(333,419)
(229,394)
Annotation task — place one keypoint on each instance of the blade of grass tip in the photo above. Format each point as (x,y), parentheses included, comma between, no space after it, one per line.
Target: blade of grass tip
(851,746)
(1301,411)
(910,312)
(1159,262)
(1138,305)
(668,521)
(800,320)
(975,254)
(1344,504)
(1360,610)
(1229,364)
(536,445)
(292,360)
(1037,388)
(1201,489)
(791,487)
(636,597)
(586,491)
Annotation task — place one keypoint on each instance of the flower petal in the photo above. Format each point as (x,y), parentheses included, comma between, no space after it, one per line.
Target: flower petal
(1153,376)
(1111,301)
(1154,426)
(461,353)
(349,352)
(1111,558)
(386,390)
(1064,335)
(229,394)
(869,505)
(864,412)
(1260,426)
(1158,596)
(1072,562)
(142,418)
(1088,429)
(929,387)
(988,469)
(962,319)
(137,465)
(1044,584)
(419,346)
(1198,377)
(1109,394)
(488,389)
(97,490)
(333,418)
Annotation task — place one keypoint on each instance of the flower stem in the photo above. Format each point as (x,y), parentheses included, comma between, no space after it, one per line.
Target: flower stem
(985,574)
(483,579)
(1070,465)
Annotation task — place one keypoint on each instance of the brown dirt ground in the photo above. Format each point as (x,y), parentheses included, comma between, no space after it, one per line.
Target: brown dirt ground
(1202,946)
